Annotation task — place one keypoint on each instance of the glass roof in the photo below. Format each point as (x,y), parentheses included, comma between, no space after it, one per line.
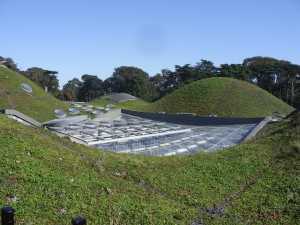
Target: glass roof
(134,135)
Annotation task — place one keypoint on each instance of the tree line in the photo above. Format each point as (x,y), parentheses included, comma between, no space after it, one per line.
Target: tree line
(279,77)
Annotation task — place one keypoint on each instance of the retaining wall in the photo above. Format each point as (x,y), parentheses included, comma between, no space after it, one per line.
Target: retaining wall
(193,120)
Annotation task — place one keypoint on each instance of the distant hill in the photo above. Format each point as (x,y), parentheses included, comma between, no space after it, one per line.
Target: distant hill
(137,104)
(226,97)
(38,104)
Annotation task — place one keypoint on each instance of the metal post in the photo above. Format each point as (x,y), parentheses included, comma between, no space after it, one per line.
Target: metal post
(79,221)
(7,215)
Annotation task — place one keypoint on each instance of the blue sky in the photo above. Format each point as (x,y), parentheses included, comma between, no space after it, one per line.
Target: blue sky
(95,36)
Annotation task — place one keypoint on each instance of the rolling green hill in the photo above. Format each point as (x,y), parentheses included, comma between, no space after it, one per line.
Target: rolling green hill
(226,97)
(214,96)
(49,180)
(38,104)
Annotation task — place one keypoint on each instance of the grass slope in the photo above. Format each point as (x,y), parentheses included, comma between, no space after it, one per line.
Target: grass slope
(225,97)
(50,180)
(38,104)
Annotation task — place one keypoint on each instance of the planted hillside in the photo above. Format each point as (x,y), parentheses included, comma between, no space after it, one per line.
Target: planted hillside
(226,97)
(49,180)
(38,104)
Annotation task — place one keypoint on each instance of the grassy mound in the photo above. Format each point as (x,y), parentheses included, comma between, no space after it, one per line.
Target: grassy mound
(50,180)
(225,97)
(38,104)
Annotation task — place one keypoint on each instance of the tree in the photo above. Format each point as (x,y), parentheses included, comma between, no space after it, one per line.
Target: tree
(91,88)
(52,82)
(9,63)
(263,71)
(158,89)
(171,81)
(109,85)
(130,80)
(287,82)
(237,71)
(185,74)
(205,69)
(43,78)
(279,77)
(71,89)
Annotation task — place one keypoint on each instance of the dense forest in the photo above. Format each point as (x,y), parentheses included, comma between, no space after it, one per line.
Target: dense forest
(279,77)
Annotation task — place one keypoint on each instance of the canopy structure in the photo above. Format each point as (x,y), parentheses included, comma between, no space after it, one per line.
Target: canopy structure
(121,97)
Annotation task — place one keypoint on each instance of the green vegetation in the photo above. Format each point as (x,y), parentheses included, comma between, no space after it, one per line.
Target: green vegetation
(38,104)
(48,179)
(222,96)
(43,78)
(278,77)
(225,97)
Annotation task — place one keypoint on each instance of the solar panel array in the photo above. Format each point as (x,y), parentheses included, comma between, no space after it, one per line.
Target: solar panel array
(147,137)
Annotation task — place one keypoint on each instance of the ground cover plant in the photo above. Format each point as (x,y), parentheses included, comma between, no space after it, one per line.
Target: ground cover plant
(38,104)
(226,97)
(46,182)
(50,180)
(219,96)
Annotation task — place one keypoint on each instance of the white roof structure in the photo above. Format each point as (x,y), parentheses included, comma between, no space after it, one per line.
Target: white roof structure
(121,97)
